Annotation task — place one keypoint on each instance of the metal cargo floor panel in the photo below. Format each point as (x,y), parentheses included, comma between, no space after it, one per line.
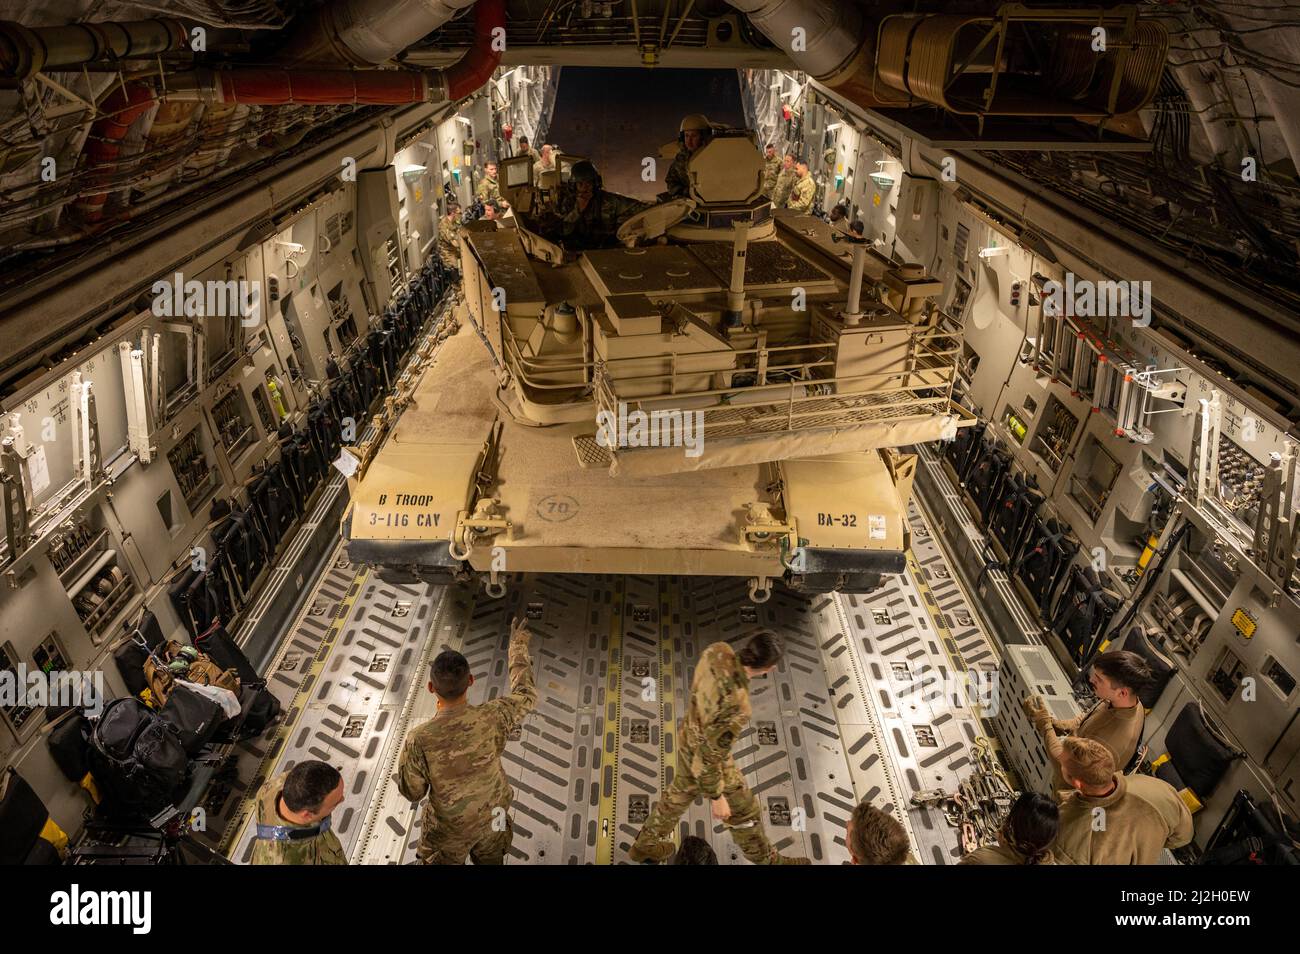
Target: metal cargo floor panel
(857,709)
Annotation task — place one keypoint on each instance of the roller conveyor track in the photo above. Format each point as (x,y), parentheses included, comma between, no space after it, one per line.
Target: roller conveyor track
(861,706)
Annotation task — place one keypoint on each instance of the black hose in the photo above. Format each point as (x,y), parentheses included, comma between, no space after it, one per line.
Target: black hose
(1148,579)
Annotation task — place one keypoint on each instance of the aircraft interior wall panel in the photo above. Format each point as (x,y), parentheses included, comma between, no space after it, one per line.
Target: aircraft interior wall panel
(146,543)
(44,414)
(1256,715)
(417,195)
(995,335)
(918,226)
(451,140)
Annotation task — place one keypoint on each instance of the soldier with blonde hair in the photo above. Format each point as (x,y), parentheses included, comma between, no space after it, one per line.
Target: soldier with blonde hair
(875,837)
(1111,819)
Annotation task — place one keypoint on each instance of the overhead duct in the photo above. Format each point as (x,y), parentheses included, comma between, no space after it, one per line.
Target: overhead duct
(25,51)
(1019,61)
(122,107)
(303,86)
(833,40)
(258,86)
(987,65)
(481,60)
(367,32)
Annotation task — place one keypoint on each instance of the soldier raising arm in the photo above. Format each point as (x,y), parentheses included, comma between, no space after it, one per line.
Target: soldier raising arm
(453,761)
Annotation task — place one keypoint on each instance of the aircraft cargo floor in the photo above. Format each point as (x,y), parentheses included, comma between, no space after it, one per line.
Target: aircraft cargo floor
(861,706)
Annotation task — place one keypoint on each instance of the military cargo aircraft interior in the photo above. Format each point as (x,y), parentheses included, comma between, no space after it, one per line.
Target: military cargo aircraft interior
(614,432)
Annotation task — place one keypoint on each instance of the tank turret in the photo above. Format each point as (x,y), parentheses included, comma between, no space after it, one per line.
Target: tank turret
(709,388)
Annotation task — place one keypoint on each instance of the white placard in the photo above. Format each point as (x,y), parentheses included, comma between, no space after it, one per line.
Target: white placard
(38,470)
(347,463)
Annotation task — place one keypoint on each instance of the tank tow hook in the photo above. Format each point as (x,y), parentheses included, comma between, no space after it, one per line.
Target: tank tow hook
(484,522)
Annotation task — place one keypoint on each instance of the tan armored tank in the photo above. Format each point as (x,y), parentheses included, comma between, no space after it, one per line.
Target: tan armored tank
(720,391)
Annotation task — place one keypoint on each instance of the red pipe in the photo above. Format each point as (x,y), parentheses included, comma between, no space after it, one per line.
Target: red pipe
(477,66)
(278,87)
(121,109)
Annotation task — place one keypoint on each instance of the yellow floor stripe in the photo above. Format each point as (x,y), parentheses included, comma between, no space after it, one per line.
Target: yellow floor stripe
(613,725)
(667,714)
(275,742)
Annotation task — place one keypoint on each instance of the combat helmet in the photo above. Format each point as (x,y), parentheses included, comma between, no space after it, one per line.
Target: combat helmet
(697,122)
(585,171)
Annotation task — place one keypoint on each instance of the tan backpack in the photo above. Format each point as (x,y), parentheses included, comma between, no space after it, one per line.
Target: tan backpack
(175,661)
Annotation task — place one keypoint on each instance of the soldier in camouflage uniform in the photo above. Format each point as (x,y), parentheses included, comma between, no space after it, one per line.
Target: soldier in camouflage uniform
(694,133)
(802,192)
(489,189)
(590,217)
(784,181)
(771,169)
(293,824)
(448,237)
(455,759)
(717,712)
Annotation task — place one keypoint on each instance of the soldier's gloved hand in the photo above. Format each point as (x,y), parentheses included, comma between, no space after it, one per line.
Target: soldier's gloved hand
(721,810)
(519,629)
(1036,709)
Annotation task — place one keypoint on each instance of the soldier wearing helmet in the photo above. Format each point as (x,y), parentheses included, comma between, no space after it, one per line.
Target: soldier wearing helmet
(694,134)
(588,215)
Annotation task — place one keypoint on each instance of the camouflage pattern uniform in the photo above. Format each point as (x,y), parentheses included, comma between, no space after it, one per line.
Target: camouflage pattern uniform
(323,848)
(781,191)
(596,225)
(677,181)
(448,244)
(802,193)
(488,191)
(455,759)
(717,712)
(771,170)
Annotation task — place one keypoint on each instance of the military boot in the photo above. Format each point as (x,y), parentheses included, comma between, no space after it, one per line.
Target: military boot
(647,850)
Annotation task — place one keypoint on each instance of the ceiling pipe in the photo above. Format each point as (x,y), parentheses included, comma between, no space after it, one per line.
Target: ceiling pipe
(263,86)
(25,51)
(123,106)
(835,41)
(285,86)
(478,64)
(256,86)
(366,32)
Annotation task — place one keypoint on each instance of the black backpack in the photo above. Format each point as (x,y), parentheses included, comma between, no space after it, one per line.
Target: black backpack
(258,709)
(68,739)
(225,652)
(22,818)
(193,715)
(137,760)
